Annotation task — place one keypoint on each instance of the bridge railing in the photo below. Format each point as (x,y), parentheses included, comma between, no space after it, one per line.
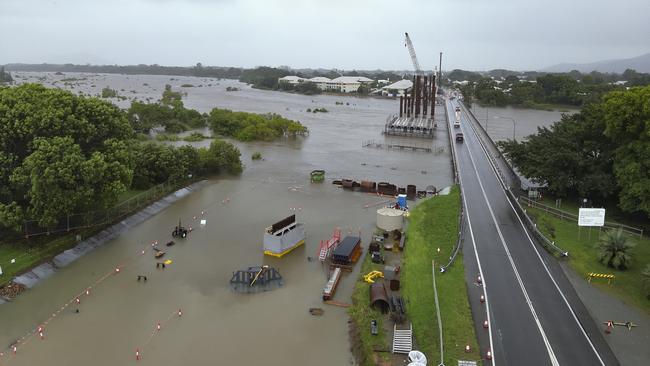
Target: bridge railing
(508,185)
(461,217)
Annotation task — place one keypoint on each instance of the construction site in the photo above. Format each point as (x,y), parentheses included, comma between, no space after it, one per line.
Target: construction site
(416,116)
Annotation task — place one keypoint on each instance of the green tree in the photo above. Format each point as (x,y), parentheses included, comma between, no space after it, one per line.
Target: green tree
(221,157)
(572,156)
(614,249)
(627,119)
(60,180)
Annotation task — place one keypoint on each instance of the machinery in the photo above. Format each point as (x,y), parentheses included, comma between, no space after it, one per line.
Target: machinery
(414,58)
(179,231)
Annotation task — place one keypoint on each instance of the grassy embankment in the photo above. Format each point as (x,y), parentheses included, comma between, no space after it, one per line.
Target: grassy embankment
(583,257)
(433,225)
(31,252)
(363,343)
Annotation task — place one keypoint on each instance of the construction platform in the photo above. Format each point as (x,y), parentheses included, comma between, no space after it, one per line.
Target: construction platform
(420,126)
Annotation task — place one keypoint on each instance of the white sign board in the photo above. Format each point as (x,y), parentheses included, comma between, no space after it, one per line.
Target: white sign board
(466,363)
(591,217)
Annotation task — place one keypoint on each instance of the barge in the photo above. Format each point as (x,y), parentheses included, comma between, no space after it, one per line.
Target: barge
(283,237)
(332,283)
(348,251)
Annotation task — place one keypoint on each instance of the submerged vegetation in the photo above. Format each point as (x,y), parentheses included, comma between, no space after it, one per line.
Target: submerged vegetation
(169,112)
(246,126)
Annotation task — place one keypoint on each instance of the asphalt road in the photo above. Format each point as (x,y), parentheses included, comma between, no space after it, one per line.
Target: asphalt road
(535,317)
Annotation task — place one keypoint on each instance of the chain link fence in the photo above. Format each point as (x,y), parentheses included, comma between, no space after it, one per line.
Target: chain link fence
(103,217)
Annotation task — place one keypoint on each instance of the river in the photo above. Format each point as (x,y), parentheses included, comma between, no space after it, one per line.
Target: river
(218,326)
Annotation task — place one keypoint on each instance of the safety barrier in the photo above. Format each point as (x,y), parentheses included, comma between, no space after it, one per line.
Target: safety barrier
(609,277)
(461,216)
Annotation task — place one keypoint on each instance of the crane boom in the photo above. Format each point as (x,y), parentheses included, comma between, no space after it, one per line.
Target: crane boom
(414,58)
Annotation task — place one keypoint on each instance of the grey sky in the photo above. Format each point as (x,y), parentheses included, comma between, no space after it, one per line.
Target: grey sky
(347,34)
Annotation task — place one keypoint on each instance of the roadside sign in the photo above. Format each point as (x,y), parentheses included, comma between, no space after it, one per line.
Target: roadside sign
(466,363)
(591,217)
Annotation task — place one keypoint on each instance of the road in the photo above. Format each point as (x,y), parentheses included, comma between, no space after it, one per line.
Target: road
(535,317)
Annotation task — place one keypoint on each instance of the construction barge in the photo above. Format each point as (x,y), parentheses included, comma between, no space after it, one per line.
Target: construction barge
(283,237)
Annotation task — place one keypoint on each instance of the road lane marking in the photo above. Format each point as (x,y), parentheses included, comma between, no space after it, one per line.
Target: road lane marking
(478,261)
(548,272)
(549,348)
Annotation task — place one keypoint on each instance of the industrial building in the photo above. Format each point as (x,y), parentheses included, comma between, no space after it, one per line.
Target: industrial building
(341,84)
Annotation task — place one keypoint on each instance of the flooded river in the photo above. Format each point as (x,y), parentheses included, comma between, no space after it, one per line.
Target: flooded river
(218,326)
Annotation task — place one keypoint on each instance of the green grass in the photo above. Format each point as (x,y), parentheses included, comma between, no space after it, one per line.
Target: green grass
(31,252)
(361,314)
(583,258)
(433,225)
(614,213)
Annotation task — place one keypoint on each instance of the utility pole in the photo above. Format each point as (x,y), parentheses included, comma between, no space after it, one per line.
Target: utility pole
(440,71)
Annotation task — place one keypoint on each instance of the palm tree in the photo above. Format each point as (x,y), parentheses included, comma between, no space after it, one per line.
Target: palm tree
(614,249)
(645,279)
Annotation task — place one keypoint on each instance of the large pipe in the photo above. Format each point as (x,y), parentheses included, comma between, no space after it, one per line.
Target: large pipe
(425,96)
(433,95)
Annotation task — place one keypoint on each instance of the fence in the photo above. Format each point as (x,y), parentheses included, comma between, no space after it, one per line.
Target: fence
(563,215)
(103,217)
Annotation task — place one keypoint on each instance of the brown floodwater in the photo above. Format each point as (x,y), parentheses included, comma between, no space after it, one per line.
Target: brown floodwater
(218,325)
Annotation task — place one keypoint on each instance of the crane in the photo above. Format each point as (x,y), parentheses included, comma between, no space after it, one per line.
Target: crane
(414,58)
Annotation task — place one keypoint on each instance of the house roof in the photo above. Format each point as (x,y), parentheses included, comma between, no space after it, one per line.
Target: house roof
(291,78)
(351,79)
(320,79)
(399,85)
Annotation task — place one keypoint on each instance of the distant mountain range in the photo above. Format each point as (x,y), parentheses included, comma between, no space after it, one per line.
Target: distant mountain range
(639,63)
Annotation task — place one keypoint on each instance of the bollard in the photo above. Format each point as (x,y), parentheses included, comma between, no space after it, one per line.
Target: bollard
(608,329)
(158,326)
(180,312)
(40,334)
(482,299)
(137,354)
(479,280)
(488,355)
(468,349)
(485,324)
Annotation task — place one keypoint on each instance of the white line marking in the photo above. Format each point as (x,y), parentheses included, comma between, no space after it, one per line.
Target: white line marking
(548,272)
(549,349)
(478,261)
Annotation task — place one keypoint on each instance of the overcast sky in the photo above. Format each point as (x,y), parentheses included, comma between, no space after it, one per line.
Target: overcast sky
(344,34)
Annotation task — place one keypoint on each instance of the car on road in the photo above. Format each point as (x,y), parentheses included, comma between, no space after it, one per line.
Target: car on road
(457,109)
(459,137)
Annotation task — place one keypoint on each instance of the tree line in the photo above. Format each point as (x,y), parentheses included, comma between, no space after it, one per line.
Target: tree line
(62,154)
(535,90)
(602,152)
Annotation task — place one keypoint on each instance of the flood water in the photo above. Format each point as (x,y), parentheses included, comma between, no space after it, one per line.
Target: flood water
(217,325)
(500,124)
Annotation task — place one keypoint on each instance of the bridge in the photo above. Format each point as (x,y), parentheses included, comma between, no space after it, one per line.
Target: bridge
(534,315)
